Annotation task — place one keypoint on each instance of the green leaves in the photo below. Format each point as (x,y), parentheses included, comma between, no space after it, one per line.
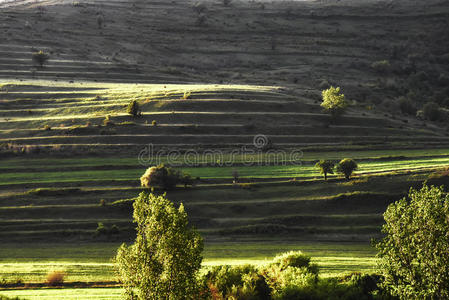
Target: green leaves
(166,255)
(334,101)
(414,255)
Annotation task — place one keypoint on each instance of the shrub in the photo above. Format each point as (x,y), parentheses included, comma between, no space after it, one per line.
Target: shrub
(164,177)
(381,66)
(101,229)
(431,111)
(186,95)
(100,21)
(225,277)
(102,202)
(407,106)
(55,278)
(40,57)
(107,121)
(47,127)
(413,255)
(133,108)
(347,166)
(154,123)
(295,259)
(199,7)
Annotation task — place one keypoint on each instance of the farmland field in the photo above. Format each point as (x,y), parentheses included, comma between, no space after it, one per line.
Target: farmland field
(228,92)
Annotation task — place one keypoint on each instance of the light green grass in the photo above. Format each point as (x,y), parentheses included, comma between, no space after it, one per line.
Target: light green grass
(92,262)
(67,294)
(289,171)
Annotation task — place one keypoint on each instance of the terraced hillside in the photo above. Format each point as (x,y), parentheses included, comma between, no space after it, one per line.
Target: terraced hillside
(298,44)
(54,117)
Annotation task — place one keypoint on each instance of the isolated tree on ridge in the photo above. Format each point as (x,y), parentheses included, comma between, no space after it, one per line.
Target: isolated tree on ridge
(326,167)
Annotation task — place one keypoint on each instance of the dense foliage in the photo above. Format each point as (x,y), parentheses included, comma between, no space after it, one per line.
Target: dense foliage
(326,167)
(289,276)
(334,101)
(164,177)
(347,166)
(414,255)
(133,108)
(164,260)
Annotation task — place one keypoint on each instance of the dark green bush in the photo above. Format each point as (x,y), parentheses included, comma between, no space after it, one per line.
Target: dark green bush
(431,111)
(407,106)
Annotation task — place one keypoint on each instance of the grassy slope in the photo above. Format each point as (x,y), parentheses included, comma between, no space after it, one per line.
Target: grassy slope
(334,43)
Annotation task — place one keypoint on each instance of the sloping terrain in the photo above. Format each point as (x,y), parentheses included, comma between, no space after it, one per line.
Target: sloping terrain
(299,44)
(209,76)
(55,117)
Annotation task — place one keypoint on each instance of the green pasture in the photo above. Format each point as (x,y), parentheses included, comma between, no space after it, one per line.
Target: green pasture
(278,171)
(93,262)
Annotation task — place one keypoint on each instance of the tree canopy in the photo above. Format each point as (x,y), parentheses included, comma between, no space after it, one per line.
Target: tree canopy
(414,255)
(164,260)
(334,101)
(347,166)
(326,167)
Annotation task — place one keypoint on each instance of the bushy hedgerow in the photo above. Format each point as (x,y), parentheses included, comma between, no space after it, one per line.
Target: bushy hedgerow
(289,276)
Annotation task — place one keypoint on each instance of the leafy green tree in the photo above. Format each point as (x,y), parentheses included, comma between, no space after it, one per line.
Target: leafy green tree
(164,260)
(333,101)
(326,167)
(347,166)
(133,108)
(40,57)
(414,255)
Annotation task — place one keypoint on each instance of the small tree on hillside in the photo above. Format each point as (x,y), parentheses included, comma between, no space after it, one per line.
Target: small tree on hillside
(164,260)
(326,167)
(347,166)
(414,255)
(40,58)
(133,108)
(333,101)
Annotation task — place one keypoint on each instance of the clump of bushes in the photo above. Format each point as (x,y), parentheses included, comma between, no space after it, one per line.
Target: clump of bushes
(289,276)
(55,278)
(164,177)
(133,108)
(104,230)
(432,112)
(381,66)
(407,106)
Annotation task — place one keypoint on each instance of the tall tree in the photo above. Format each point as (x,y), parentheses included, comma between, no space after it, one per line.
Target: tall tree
(165,258)
(414,256)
